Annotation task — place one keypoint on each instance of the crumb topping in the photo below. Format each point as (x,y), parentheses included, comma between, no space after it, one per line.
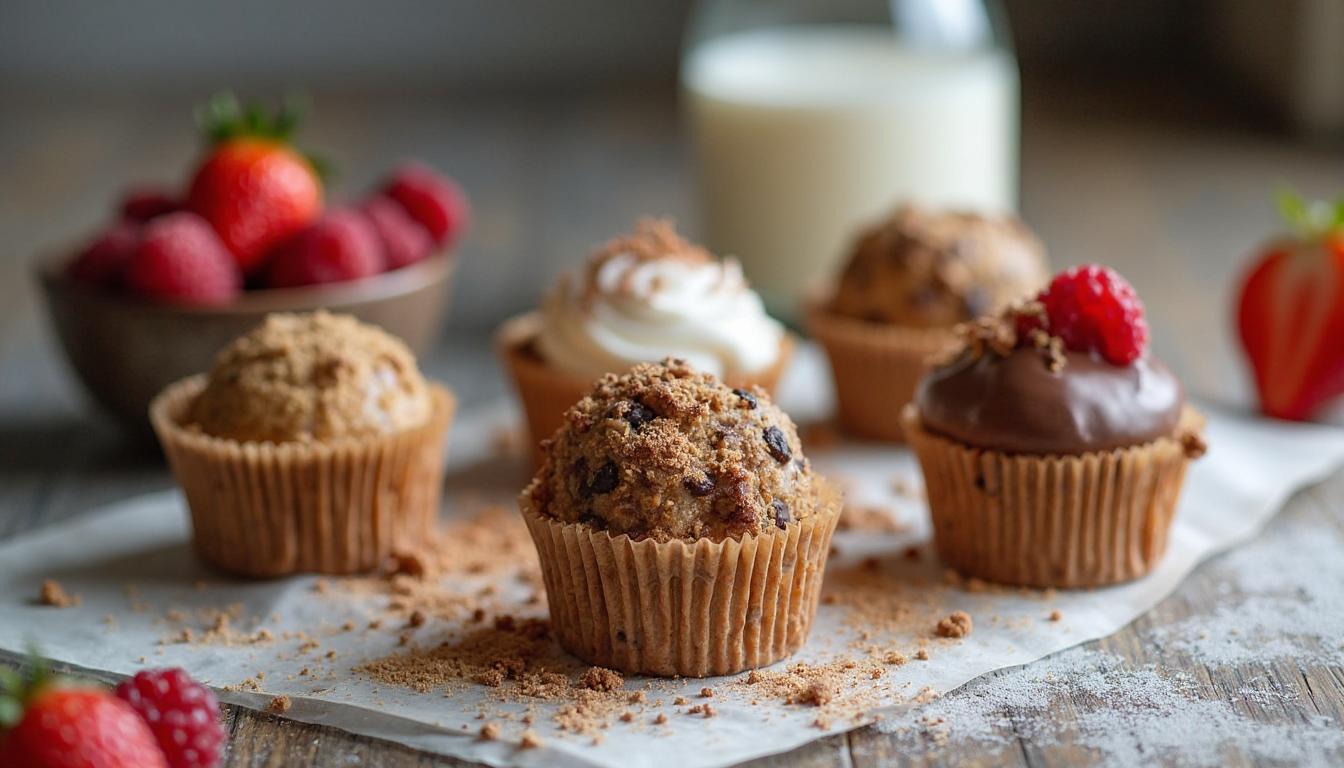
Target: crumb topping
(305,377)
(931,269)
(665,452)
(54,595)
(955,625)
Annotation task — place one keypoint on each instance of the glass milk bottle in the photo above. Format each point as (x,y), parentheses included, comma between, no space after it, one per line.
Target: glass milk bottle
(812,118)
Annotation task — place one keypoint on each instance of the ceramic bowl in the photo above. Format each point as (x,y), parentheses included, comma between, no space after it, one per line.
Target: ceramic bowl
(125,350)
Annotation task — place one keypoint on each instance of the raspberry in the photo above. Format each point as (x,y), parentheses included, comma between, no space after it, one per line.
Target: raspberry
(1092,308)
(103,261)
(182,714)
(404,240)
(341,246)
(431,199)
(145,203)
(182,260)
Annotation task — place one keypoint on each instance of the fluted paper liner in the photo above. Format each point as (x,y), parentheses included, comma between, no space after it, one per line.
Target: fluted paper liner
(546,392)
(689,608)
(269,509)
(1053,521)
(875,367)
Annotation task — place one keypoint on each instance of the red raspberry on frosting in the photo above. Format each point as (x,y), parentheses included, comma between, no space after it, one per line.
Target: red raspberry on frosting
(1093,309)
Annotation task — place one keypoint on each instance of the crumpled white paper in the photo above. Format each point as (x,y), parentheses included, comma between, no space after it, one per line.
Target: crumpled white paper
(1251,469)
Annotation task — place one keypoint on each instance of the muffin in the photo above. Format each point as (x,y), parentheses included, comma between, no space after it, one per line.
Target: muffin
(909,281)
(1053,445)
(640,298)
(680,529)
(313,444)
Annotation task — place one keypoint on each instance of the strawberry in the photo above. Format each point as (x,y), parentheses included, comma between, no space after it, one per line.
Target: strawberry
(404,241)
(341,246)
(1290,312)
(104,261)
(181,260)
(431,199)
(253,187)
(148,202)
(52,726)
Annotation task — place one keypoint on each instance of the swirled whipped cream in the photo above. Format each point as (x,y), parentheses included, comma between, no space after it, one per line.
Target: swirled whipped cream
(651,295)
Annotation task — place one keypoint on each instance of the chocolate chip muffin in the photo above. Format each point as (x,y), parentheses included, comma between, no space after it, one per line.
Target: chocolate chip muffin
(922,268)
(909,281)
(680,529)
(313,444)
(667,453)
(312,377)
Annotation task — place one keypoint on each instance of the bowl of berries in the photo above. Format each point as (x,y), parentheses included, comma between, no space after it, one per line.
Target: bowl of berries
(176,275)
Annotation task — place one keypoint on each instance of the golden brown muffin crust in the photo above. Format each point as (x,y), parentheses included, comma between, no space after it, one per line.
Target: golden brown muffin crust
(664,452)
(304,377)
(929,269)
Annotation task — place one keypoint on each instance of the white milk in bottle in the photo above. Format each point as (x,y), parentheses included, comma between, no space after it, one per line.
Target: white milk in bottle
(806,133)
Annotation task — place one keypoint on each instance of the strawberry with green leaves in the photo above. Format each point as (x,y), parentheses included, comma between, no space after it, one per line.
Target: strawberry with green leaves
(253,186)
(45,723)
(1290,312)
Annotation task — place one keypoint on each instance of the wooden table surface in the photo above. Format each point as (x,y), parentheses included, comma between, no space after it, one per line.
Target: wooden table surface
(1168,188)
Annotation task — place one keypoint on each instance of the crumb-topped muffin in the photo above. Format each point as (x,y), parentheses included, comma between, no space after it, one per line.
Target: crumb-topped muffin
(680,529)
(313,444)
(1053,445)
(909,280)
(312,377)
(639,298)
(667,453)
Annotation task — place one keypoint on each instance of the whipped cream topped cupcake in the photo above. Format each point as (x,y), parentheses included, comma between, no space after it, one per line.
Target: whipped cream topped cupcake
(651,295)
(640,298)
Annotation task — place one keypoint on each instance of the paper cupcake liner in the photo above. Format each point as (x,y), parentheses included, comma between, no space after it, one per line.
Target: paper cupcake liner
(688,608)
(269,509)
(875,368)
(1053,521)
(546,393)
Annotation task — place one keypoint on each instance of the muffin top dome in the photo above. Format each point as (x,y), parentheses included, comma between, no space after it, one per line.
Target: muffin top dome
(311,377)
(929,269)
(664,452)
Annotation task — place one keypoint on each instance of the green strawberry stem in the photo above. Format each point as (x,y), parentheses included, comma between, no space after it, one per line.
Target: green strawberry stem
(224,118)
(17,689)
(1309,219)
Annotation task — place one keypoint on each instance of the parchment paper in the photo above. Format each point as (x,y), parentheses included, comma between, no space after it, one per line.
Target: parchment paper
(142,543)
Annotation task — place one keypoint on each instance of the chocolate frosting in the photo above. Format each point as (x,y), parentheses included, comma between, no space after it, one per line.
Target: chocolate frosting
(1016,404)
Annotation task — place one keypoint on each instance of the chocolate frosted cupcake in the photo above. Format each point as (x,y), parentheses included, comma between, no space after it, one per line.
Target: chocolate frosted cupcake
(640,298)
(1053,446)
(313,444)
(909,281)
(680,529)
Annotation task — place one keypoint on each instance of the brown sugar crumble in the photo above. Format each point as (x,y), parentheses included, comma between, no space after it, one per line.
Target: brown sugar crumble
(489,732)
(530,740)
(955,625)
(54,595)
(602,679)
(279,704)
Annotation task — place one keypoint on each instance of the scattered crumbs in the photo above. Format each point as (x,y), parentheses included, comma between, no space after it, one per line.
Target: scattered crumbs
(54,595)
(322,586)
(872,519)
(627,717)
(704,710)
(416,619)
(955,625)
(529,740)
(637,697)
(489,731)
(602,679)
(679,701)
(707,693)
(279,704)
(894,658)
(922,654)
(1056,615)
(660,719)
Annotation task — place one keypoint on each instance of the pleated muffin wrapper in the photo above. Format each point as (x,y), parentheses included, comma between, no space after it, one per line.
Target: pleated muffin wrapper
(1084,520)
(683,608)
(269,509)
(875,367)
(547,392)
